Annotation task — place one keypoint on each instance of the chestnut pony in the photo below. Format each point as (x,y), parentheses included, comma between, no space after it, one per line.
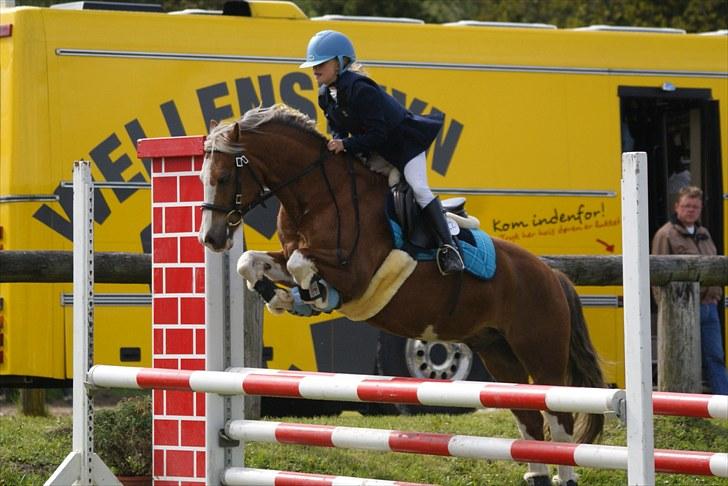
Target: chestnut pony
(525,322)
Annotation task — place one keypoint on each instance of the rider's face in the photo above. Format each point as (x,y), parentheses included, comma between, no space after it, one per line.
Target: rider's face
(325,73)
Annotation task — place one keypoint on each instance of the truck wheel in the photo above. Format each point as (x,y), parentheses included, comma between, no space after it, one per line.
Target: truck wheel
(437,359)
(398,356)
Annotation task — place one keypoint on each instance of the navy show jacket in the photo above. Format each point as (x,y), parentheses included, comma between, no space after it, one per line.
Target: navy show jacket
(375,121)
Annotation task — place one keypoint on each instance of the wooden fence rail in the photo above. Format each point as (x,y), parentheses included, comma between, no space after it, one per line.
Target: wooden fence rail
(57,266)
(607,270)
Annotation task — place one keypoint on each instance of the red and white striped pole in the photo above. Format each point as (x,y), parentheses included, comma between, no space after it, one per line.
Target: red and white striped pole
(382,389)
(243,476)
(584,455)
(362,388)
(690,405)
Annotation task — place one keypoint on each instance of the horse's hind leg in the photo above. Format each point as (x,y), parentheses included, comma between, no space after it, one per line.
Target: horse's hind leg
(503,365)
(547,365)
(561,426)
(545,362)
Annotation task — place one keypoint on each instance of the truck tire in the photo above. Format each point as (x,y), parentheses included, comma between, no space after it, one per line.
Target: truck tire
(398,356)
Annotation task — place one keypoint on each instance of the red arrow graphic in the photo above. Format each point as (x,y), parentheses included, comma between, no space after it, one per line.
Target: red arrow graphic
(607,246)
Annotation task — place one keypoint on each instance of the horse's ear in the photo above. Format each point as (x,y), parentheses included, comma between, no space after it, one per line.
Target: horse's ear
(234,132)
(213,124)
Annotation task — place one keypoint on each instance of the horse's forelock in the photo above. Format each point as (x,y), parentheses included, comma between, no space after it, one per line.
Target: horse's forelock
(219,141)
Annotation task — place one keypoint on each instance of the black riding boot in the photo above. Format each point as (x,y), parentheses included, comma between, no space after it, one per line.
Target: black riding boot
(448,256)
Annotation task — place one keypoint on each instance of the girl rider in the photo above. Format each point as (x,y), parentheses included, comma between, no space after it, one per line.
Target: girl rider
(364,119)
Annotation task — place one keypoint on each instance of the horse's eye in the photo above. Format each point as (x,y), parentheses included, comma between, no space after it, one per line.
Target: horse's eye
(223,179)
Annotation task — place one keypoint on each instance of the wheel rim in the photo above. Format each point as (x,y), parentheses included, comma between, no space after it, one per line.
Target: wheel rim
(438,359)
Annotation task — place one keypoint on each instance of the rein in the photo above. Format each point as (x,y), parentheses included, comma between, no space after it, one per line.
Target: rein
(237,211)
(355,202)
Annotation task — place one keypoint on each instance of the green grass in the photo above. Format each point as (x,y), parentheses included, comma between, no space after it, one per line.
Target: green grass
(31,448)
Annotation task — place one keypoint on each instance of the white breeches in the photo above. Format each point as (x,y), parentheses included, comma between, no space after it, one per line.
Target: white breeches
(415,173)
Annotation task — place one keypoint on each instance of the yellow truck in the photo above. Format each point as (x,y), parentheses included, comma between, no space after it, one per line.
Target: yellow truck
(536,119)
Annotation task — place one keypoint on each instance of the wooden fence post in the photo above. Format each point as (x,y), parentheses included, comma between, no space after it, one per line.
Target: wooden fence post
(33,402)
(678,338)
(253,344)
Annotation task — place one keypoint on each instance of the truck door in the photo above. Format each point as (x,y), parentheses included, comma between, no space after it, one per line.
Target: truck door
(679,129)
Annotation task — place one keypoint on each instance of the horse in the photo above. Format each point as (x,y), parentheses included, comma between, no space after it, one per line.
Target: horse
(526,323)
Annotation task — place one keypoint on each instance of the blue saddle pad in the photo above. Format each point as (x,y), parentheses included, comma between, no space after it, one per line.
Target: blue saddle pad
(476,248)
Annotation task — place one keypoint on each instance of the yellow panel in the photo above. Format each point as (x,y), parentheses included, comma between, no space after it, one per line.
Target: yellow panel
(538,110)
(115,328)
(33,342)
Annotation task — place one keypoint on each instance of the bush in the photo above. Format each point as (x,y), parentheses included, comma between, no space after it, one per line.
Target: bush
(123,436)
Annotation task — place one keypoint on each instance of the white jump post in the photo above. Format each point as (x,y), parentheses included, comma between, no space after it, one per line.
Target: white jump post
(82,466)
(637,336)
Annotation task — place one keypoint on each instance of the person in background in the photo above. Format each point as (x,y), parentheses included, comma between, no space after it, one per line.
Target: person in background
(364,120)
(684,235)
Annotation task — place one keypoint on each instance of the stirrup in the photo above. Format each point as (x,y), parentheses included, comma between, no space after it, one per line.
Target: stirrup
(449,260)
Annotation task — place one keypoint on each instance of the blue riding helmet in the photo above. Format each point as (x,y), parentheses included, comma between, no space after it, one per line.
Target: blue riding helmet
(327,45)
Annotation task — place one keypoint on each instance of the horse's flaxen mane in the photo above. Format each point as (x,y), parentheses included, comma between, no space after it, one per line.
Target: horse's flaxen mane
(253,119)
(278,113)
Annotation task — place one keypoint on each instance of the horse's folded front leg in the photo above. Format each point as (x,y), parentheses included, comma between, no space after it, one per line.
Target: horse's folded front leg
(277,299)
(320,295)
(261,270)
(312,288)
(256,267)
(301,268)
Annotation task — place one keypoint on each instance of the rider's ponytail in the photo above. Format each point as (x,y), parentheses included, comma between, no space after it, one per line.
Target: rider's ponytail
(357,67)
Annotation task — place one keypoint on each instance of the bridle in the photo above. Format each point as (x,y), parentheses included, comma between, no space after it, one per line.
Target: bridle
(236,212)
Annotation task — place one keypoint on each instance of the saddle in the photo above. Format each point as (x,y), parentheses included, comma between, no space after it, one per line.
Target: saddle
(414,227)
(411,233)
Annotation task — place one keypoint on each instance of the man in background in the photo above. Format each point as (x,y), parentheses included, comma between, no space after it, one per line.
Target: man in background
(684,235)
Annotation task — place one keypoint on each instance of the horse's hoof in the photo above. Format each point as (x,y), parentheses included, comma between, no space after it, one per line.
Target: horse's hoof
(538,481)
(559,482)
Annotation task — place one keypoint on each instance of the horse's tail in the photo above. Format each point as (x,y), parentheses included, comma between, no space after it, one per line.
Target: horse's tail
(583,368)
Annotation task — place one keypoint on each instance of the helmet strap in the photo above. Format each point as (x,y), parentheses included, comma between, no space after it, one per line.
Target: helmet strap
(343,64)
